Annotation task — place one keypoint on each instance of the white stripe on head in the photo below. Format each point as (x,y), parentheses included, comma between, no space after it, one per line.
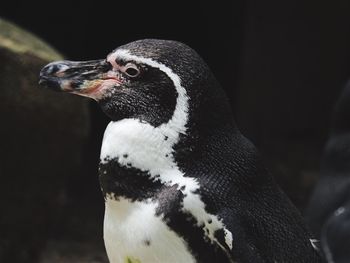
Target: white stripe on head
(146,149)
(179,119)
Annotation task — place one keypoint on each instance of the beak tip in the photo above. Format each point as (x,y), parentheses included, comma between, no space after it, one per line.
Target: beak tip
(45,82)
(47,78)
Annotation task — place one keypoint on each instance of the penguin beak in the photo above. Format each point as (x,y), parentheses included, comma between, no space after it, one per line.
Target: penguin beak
(87,78)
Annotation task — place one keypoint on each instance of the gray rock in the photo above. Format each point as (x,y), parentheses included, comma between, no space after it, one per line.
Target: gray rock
(43,137)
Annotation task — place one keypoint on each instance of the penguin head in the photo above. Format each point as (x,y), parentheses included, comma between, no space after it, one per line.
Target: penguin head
(147,80)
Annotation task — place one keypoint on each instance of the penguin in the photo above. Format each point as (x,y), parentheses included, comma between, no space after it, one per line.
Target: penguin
(328,211)
(180,182)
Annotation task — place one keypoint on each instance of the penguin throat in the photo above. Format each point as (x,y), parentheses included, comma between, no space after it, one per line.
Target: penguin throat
(139,145)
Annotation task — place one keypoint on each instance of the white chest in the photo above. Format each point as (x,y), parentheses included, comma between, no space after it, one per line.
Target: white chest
(128,225)
(133,232)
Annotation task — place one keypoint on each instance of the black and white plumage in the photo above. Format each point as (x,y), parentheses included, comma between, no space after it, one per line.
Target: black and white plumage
(181,183)
(328,212)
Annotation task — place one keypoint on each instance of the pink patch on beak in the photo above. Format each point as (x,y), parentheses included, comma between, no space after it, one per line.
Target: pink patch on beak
(99,88)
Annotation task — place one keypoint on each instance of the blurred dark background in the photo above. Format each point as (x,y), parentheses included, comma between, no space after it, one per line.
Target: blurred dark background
(282,64)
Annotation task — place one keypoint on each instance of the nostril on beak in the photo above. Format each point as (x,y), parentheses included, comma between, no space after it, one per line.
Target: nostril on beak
(106,66)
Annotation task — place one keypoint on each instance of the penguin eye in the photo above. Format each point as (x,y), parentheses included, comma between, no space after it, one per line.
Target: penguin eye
(131,70)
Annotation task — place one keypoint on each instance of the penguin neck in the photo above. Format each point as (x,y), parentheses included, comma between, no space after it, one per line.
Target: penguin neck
(135,153)
(130,138)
